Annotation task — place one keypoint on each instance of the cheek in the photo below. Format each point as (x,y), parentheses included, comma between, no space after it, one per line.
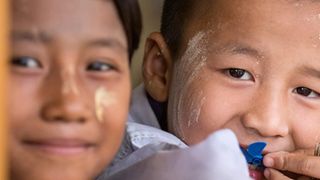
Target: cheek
(22,102)
(305,130)
(218,106)
(212,115)
(115,113)
(114,119)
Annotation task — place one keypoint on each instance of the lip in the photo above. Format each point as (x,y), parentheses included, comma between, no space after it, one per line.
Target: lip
(256,174)
(60,146)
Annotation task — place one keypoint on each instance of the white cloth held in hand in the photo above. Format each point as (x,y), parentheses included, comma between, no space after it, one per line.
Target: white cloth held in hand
(217,157)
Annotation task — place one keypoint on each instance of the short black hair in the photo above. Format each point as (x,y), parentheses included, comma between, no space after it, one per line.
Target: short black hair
(130,15)
(175,15)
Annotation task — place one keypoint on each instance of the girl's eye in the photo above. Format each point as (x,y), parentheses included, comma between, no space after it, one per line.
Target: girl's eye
(306,92)
(239,74)
(100,66)
(26,62)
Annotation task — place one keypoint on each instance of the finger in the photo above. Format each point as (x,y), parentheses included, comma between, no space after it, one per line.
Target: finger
(297,163)
(309,152)
(272,174)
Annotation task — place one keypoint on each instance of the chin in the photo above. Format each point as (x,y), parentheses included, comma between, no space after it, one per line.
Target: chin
(38,172)
(60,175)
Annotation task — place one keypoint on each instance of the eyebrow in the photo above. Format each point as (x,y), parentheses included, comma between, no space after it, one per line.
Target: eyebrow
(107,42)
(42,37)
(310,71)
(236,48)
(31,36)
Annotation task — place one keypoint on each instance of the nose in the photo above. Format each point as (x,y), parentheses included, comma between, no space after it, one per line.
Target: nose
(61,105)
(267,114)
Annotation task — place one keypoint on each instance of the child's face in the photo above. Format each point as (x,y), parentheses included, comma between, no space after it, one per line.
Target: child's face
(253,68)
(69,88)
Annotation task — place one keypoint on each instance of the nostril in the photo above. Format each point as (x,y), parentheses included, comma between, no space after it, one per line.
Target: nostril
(57,118)
(82,120)
(55,115)
(72,110)
(252,130)
(67,119)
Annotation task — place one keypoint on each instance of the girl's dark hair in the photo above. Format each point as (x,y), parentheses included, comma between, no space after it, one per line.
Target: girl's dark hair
(130,15)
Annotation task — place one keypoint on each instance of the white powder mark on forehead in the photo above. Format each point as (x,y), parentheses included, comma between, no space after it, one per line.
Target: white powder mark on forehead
(312,18)
(186,70)
(308,19)
(298,4)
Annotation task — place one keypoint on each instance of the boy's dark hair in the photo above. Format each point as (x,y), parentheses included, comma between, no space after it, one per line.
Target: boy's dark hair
(175,14)
(130,15)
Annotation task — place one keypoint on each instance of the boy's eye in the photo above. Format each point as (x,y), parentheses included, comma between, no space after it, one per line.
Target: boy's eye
(306,92)
(26,62)
(100,66)
(239,74)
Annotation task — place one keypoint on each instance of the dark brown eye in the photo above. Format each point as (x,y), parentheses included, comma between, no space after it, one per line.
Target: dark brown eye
(99,66)
(239,74)
(303,91)
(26,62)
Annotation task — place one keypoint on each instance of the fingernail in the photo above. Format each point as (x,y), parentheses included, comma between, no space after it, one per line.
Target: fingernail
(268,162)
(267,173)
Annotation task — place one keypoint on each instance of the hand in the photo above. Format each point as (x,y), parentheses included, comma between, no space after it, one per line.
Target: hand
(303,163)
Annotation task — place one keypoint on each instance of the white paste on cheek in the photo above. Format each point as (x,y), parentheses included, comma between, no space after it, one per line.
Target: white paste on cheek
(195,108)
(186,71)
(103,99)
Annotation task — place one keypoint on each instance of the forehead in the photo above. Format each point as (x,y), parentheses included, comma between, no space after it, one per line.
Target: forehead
(285,22)
(237,9)
(218,15)
(68,17)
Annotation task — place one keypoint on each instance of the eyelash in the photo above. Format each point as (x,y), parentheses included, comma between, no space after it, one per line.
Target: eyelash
(306,92)
(26,62)
(99,66)
(244,75)
(237,73)
(29,62)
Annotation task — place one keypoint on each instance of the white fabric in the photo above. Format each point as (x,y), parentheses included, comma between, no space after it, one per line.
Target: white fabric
(218,157)
(147,152)
(140,110)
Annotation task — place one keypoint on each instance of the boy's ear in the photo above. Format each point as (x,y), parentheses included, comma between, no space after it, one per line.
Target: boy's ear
(157,67)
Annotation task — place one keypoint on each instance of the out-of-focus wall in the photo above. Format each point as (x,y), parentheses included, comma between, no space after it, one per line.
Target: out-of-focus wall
(4,52)
(151,13)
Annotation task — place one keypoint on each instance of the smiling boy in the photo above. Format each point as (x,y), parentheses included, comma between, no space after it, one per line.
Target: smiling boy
(69,85)
(248,66)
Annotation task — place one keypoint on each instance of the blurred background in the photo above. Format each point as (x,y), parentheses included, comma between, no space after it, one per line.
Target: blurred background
(151,14)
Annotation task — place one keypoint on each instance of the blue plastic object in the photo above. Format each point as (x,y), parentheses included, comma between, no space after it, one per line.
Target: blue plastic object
(254,155)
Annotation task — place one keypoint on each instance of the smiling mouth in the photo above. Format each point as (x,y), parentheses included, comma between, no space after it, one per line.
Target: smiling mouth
(253,154)
(256,173)
(63,147)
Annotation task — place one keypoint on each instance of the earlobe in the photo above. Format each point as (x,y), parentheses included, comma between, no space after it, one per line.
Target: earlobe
(157,67)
